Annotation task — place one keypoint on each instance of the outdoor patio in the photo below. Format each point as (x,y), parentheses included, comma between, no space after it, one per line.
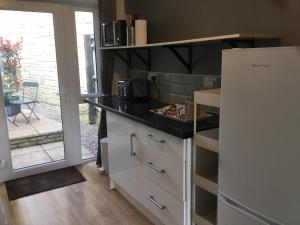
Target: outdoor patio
(38,142)
(35,128)
(27,73)
(40,154)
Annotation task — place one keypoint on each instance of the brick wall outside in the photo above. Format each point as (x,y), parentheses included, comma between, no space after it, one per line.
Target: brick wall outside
(38,56)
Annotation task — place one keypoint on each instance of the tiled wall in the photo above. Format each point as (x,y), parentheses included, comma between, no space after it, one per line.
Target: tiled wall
(177,88)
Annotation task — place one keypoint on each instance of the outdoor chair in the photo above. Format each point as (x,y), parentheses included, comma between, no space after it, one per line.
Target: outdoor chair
(28,101)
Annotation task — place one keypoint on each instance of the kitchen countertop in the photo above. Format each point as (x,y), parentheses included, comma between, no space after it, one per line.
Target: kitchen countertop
(139,112)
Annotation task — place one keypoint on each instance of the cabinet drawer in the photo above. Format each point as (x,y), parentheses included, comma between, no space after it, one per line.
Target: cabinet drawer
(160,203)
(164,171)
(160,143)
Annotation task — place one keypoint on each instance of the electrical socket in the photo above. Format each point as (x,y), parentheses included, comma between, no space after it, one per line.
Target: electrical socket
(152,77)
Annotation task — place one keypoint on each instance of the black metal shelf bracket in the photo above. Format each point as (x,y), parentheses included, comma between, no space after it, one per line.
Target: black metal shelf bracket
(186,62)
(126,60)
(129,66)
(147,60)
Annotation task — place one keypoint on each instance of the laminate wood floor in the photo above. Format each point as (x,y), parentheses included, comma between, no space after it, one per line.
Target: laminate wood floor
(87,203)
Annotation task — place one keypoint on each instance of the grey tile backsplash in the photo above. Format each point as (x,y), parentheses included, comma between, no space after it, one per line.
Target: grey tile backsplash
(177,88)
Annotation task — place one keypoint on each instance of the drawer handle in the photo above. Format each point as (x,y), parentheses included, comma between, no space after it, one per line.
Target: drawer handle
(151,198)
(154,139)
(132,153)
(150,164)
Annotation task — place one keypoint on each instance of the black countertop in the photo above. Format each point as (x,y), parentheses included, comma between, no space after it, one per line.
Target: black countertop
(139,112)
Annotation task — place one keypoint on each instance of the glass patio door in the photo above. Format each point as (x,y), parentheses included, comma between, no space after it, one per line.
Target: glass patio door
(87,37)
(37,106)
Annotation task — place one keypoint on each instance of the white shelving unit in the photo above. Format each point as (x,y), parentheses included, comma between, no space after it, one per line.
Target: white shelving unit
(202,220)
(207,184)
(208,139)
(209,97)
(205,159)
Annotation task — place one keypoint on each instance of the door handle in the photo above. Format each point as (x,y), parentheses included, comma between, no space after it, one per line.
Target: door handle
(155,139)
(151,199)
(132,153)
(150,164)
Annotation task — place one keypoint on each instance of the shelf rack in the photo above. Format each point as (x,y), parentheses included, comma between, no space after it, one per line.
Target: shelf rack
(205,163)
(233,40)
(207,220)
(208,139)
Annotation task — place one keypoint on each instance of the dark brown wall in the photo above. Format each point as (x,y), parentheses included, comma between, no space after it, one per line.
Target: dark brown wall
(170,20)
(183,19)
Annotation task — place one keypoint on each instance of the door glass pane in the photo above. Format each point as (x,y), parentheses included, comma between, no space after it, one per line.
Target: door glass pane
(86,52)
(89,116)
(28,70)
(89,121)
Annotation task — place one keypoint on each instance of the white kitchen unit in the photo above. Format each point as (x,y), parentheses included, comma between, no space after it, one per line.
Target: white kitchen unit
(259,180)
(152,167)
(123,162)
(205,167)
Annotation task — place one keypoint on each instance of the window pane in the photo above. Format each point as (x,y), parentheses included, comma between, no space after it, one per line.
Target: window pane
(86,52)
(89,123)
(89,116)
(28,70)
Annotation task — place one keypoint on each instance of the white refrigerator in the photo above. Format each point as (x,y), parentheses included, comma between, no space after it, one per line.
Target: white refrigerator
(259,164)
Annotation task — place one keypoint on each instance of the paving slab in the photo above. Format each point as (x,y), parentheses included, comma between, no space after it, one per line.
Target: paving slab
(29,157)
(40,154)
(56,154)
(27,150)
(34,128)
(22,132)
(53,145)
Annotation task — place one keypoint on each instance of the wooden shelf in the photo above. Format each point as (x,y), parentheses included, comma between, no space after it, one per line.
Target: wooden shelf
(207,184)
(209,219)
(185,57)
(233,37)
(209,97)
(208,139)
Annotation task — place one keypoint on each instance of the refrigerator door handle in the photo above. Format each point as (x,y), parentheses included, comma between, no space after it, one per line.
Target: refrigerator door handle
(248,212)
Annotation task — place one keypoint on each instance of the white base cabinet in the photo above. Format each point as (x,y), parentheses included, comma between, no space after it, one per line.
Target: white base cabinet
(151,166)
(123,165)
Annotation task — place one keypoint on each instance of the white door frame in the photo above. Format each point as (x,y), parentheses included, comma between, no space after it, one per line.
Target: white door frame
(66,55)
